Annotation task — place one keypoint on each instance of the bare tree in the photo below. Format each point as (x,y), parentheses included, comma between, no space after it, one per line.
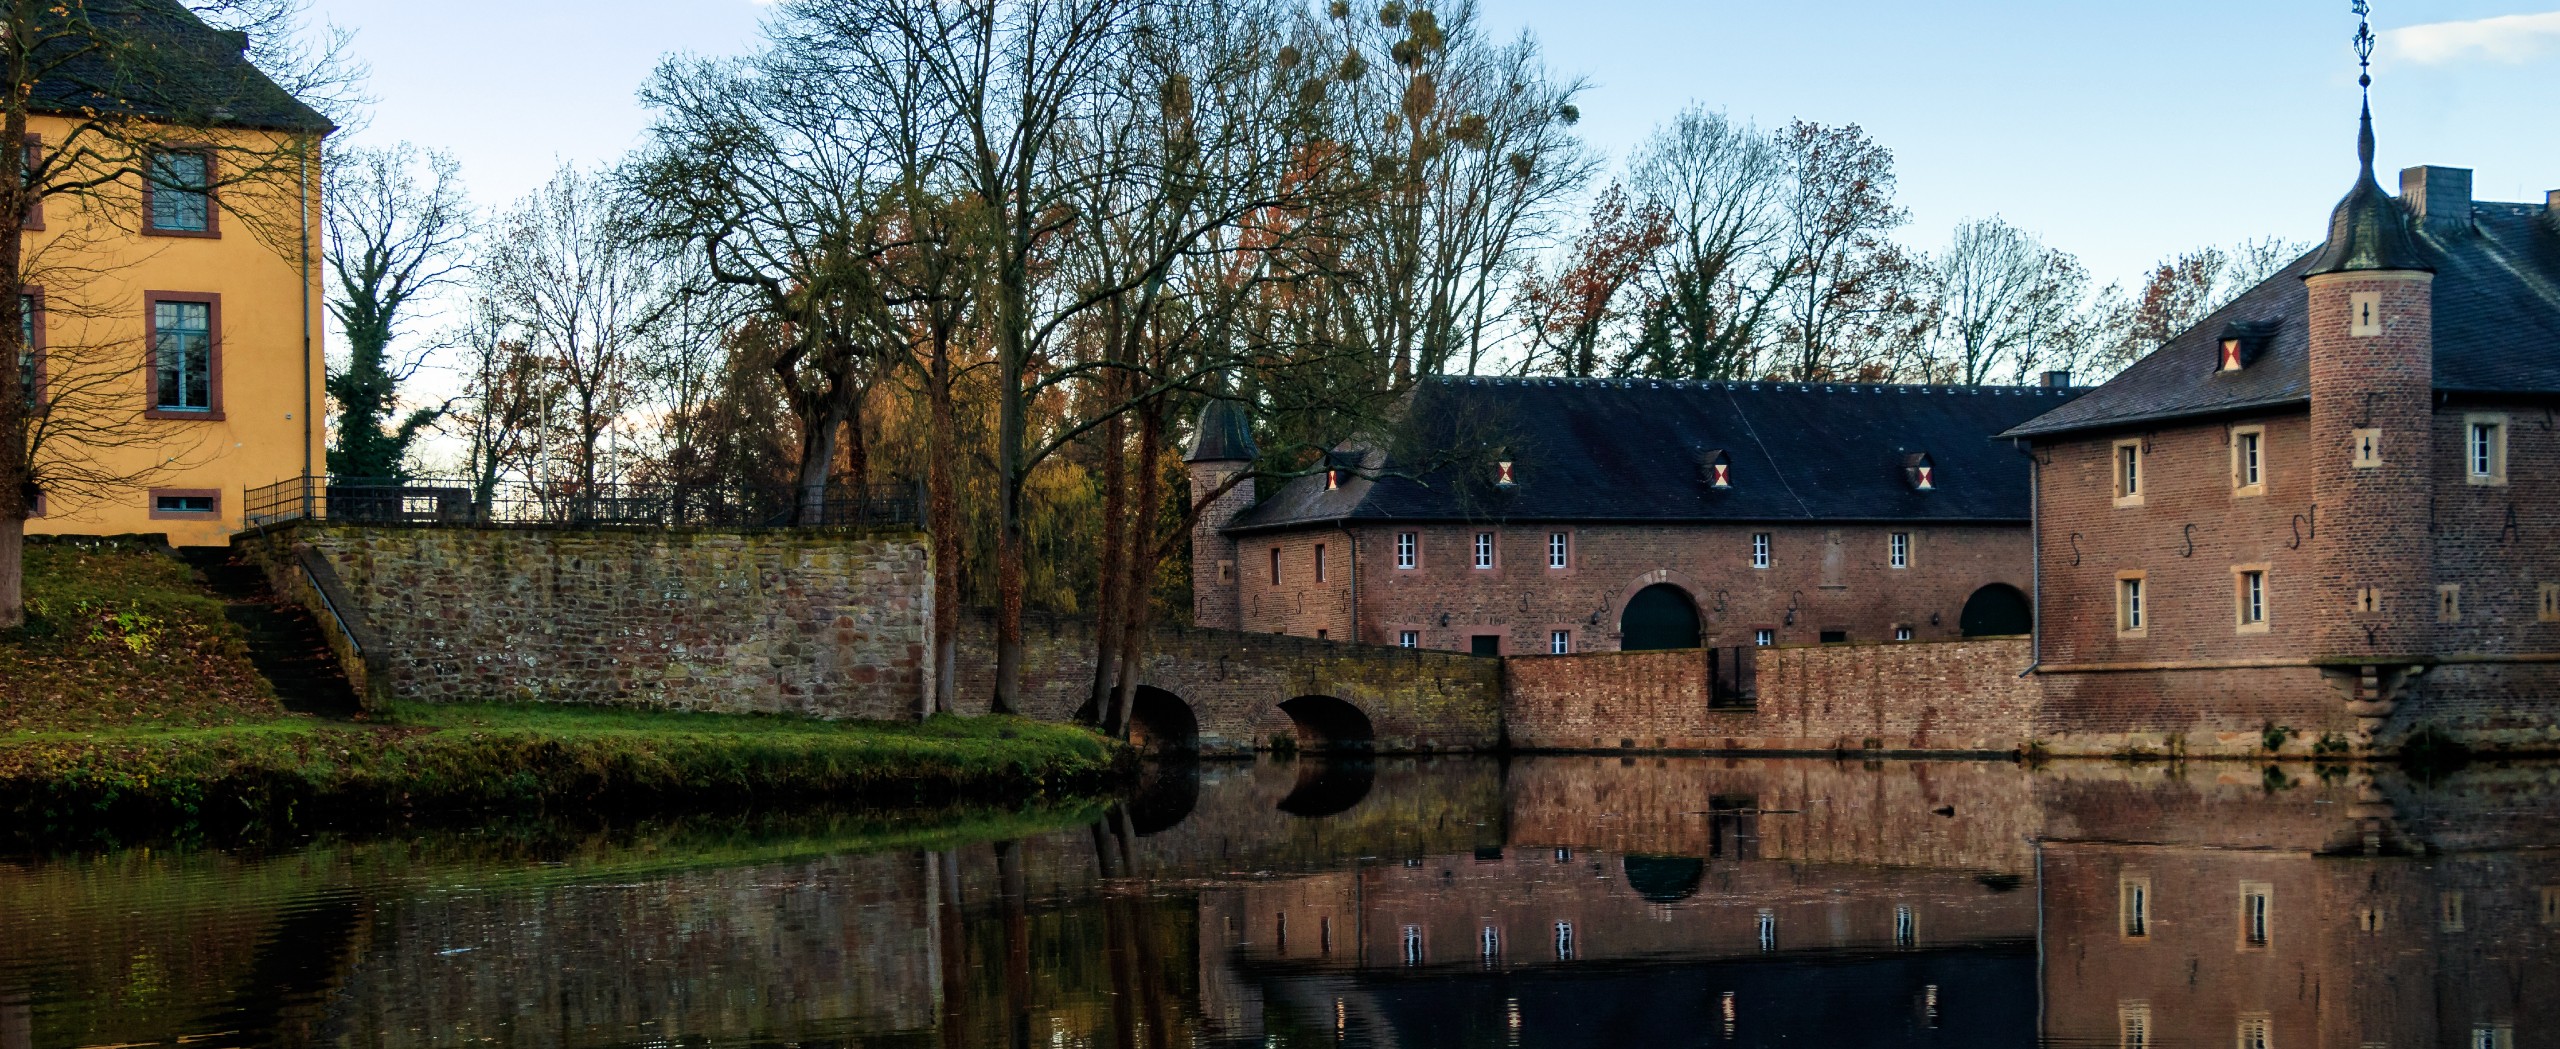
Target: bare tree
(2006,301)
(1844,274)
(395,236)
(1569,312)
(2179,292)
(134,94)
(507,395)
(571,277)
(1714,285)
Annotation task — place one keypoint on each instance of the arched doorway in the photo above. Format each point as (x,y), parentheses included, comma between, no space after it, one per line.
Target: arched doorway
(1324,723)
(1663,879)
(1998,610)
(1659,616)
(1160,722)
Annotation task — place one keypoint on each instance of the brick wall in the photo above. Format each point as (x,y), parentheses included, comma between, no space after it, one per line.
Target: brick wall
(1962,696)
(828,625)
(1281,590)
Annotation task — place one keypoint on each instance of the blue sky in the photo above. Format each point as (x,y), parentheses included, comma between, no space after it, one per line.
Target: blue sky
(2122,132)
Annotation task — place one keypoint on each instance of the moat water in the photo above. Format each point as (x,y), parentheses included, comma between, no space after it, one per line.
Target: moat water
(1553,901)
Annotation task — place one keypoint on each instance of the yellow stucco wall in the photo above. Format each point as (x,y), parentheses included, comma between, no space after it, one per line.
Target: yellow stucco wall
(95,274)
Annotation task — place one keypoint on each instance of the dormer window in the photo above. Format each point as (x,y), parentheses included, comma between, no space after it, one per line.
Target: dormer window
(1919,472)
(1333,480)
(1715,468)
(2243,342)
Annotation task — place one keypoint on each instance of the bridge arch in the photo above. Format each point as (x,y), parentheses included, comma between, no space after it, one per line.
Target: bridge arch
(1324,723)
(1663,879)
(1998,610)
(1329,786)
(1160,722)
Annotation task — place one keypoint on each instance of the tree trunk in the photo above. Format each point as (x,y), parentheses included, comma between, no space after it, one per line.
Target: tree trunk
(1010,479)
(1142,564)
(817,460)
(1017,942)
(953,942)
(13,565)
(944,528)
(1115,510)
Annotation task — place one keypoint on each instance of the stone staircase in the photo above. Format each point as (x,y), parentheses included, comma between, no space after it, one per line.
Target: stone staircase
(285,641)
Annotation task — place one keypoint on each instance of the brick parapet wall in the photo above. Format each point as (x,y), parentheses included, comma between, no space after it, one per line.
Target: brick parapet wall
(1949,697)
(830,625)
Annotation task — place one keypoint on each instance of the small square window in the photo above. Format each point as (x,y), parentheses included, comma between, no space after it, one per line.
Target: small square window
(2484,455)
(1559,549)
(1764,637)
(2248,461)
(1898,553)
(1559,642)
(1408,549)
(2368,447)
(1323,634)
(2364,314)
(1759,549)
(1902,633)
(1226,572)
(1409,639)
(2249,594)
(2128,473)
(1484,549)
(2369,599)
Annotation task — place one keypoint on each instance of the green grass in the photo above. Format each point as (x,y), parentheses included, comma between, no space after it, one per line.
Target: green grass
(120,633)
(442,761)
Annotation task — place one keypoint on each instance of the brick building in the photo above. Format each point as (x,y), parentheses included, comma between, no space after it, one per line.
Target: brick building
(2324,492)
(1551,515)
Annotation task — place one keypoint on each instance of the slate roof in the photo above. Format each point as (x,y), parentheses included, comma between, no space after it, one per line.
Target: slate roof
(160,61)
(2497,330)
(1629,450)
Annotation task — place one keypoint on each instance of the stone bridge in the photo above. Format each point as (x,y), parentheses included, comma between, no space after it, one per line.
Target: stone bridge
(1231,692)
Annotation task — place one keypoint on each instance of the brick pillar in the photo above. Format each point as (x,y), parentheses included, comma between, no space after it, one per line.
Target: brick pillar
(2372,368)
(1214,594)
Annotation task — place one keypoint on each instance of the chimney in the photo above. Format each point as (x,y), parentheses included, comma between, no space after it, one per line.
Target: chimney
(2439,197)
(2057,380)
(2551,206)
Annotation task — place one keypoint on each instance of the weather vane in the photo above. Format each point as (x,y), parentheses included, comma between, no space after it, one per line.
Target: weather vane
(2364,44)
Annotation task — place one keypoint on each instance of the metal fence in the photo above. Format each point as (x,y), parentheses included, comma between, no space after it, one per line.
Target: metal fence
(571,505)
(1733,677)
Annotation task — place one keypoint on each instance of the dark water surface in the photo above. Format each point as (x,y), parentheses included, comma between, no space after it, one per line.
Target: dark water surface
(1563,901)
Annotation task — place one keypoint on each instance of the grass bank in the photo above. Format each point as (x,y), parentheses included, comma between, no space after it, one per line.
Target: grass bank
(441,761)
(129,698)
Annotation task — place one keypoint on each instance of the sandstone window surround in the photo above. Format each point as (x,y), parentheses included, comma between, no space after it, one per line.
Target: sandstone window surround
(2364,314)
(2249,598)
(2551,905)
(2257,1031)
(2128,473)
(2133,615)
(2369,599)
(2547,607)
(2493,1036)
(2257,920)
(1898,550)
(2368,448)
(2248,461)
(1759,549)
(2133,906)
(2484,448)
(1408,551)
(2449,603)
(1484,551)
(1226,572)
(2451,916)
(2133,1025)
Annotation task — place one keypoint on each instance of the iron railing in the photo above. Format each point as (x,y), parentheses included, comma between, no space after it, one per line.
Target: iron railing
(1733,677)
(571,505)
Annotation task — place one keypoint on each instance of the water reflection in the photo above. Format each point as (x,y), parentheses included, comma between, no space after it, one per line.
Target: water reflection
(1370,902)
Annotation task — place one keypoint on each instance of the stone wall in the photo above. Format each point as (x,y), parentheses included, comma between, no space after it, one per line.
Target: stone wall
(832,625)
(1950,697)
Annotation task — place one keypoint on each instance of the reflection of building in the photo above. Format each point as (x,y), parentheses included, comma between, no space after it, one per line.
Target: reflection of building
(1541,516)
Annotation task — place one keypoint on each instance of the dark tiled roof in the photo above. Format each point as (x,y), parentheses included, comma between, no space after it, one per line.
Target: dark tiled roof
(156,59)
(2497,330)
(1630,450)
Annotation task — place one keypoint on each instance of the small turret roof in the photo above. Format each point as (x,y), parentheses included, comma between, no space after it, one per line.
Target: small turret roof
(2369,231)
(1225,434)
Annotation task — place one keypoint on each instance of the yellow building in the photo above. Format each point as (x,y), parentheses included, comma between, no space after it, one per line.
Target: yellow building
(177,319)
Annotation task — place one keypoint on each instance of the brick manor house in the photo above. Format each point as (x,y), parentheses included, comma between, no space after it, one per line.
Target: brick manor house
(1554,515)
(2339,484)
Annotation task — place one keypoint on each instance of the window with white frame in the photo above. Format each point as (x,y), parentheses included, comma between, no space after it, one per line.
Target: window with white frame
(1759,549)
(2129,607)
(1564,941)
(2249,592)
(2485,449)
(1764,637)
(1484,549)
(1902,633)
(1408,549)
(1899,556)
(1409,639)
(1559,549)
(2248,460)
(2128,473)
(2256,917)
(1559,642)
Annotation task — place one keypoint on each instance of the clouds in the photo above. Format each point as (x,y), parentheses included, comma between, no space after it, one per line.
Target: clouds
(2511,39)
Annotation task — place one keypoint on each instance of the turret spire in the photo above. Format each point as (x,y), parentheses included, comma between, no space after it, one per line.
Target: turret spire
(2368,231)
